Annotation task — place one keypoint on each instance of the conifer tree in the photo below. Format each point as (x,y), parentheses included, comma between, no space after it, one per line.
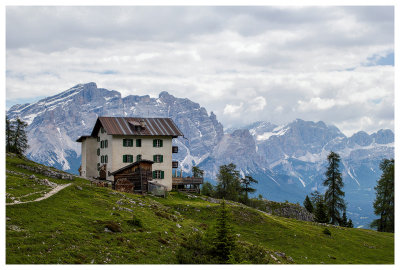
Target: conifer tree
(197,172)
(320,214)
(384,202)
(224,240)
(19,139)
(350,224)
(308,204)
(9,135)
(334,194)
(228,186)
(246,182)
(343,221)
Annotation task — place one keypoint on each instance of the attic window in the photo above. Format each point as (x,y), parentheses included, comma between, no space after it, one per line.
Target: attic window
(137,125)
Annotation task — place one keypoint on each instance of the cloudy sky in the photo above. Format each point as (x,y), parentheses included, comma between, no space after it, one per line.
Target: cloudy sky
(246,64)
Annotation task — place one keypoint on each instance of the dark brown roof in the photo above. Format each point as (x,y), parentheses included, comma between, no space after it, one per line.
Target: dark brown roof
(131,165)
(126,126)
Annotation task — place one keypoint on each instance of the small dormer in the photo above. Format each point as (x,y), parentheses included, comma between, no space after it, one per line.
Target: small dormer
(137,125)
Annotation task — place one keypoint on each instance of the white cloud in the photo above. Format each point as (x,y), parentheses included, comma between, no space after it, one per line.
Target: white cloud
(233,109)
(306,62)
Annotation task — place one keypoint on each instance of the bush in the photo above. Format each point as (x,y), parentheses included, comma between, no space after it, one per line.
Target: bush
(113,226)
(327,231)
(135,221)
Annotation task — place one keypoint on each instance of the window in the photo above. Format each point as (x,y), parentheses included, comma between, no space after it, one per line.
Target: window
(102,144)
(105,143)
(98,151)
(127,142)
(157,174)
(157,143)
(158,158)
(106,159)
(127,158)
(102,159)
(138,142)
(138,157)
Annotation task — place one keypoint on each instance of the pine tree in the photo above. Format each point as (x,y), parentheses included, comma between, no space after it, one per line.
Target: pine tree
(343,221)
(384,202)
(207,189)
(197,172)
(350,224)
(224,240)
(308,204)
(246,182)
(334,194)
(9,135)
(228,186)
(320,215)
(19,140)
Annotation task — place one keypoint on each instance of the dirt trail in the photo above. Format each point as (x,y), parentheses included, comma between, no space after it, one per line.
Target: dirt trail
(47,195)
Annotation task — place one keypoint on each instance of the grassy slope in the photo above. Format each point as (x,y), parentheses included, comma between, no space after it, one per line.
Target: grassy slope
(69,227)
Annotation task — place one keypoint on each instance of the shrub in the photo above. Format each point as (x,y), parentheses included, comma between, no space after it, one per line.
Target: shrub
(135,221)
(327,231)
(113,226)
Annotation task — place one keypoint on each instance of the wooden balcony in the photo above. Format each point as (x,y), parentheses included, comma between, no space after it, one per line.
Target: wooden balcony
(187,180)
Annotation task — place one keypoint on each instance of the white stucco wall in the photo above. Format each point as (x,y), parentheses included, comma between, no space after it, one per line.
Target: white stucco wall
(147,151)
(89,161)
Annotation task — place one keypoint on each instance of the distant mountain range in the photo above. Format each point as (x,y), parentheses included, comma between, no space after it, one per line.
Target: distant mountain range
(289,160)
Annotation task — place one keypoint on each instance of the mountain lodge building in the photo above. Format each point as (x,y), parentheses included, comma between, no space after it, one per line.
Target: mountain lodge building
(132,153)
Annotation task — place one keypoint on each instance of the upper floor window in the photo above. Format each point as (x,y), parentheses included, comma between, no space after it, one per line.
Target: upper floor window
(138,157)
(158,158)
(104,144)
(157,143)
(104,159)
(138,142)
(127,142)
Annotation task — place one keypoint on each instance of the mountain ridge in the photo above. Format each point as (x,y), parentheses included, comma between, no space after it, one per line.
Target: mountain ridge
(288,159)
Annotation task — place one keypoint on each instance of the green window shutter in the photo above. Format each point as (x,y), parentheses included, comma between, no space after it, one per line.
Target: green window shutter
(105,143)
(124,142)
(154,143)
(161,158)
(102,159)
(124,158)
(138,157)
(162,174)
(106,159)
(160,143)
(98,151)
(154,174)
(154,158)
(101,144)
(138,142)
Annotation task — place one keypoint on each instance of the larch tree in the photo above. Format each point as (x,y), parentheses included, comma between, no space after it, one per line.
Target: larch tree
(334,194)
(247,181)
(20,140)
(228,186)
(308,204)
(384,202)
